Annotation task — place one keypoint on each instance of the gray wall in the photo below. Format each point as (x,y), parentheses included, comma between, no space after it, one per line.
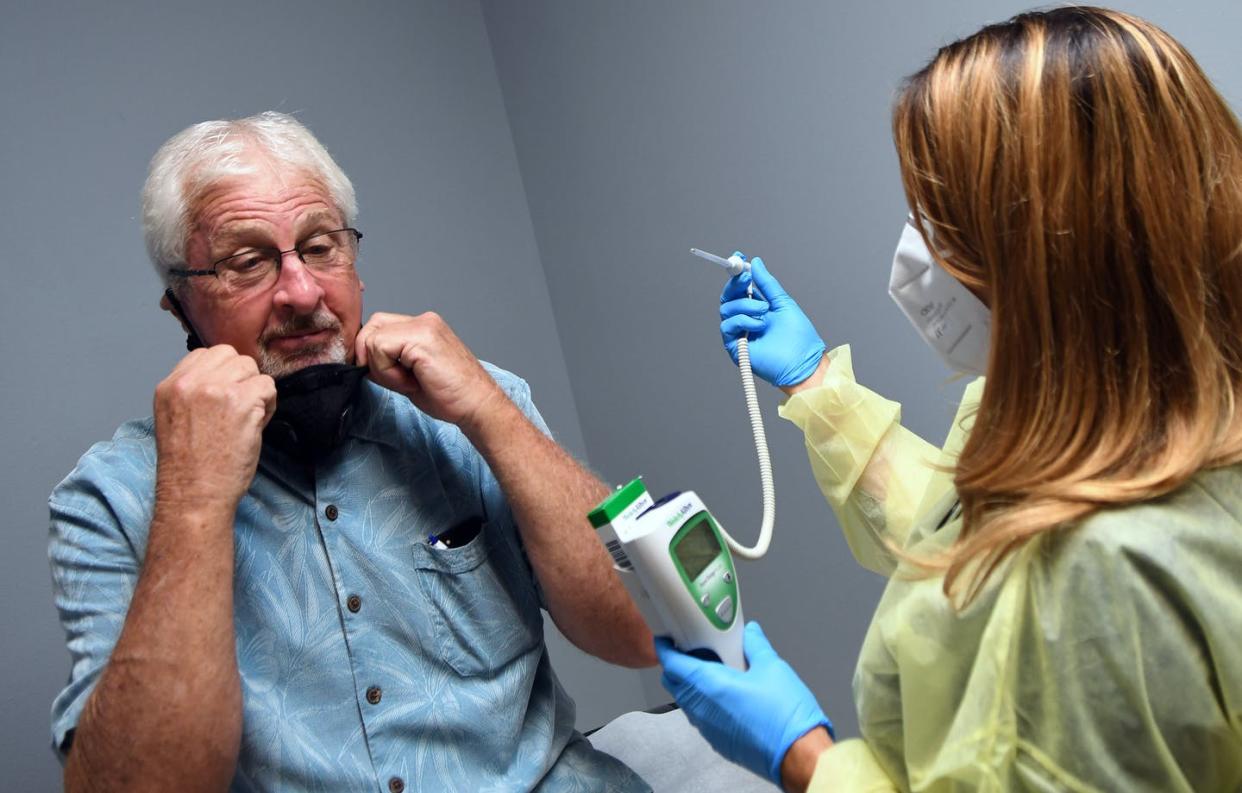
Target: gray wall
(405,96)
(646,127)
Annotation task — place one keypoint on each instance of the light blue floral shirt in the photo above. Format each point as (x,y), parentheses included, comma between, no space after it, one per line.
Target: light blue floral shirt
(369,659)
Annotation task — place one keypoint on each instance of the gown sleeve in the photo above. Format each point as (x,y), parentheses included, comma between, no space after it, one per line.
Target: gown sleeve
(877,476)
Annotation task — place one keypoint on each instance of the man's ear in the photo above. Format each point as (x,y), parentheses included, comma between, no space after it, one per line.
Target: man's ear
(167,305)
(170,303)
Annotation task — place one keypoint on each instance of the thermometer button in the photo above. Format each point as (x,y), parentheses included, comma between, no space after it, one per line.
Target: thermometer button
(706,599)
(728,577)
(725,609)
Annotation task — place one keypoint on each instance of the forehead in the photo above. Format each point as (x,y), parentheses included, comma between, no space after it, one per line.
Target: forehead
(271,199)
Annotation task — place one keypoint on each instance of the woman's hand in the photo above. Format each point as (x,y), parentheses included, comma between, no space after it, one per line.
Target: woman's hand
(751,717)
(785,350)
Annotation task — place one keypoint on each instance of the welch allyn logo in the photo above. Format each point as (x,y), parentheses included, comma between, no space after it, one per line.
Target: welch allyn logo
(681,513)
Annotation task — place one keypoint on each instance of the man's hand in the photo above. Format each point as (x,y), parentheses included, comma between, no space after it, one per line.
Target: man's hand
(209,417)
(423,359)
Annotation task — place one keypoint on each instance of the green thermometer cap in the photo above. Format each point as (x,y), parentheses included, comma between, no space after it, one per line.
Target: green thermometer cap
(616,503)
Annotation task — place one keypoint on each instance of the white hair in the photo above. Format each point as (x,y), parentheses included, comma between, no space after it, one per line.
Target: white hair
(201,155)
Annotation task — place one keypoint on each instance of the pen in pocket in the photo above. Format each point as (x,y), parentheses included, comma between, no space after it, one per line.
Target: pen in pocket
(457,536)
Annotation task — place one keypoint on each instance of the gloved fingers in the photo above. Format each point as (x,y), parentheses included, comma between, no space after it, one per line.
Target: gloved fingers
(747,306)
(757,290)
(756,646)
(673,687)
(736,287)
(687,673)
(663,646)
(678,666)
(733,327)
(768,285)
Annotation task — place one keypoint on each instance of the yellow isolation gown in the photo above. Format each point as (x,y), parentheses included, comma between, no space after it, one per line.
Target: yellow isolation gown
(1104,657)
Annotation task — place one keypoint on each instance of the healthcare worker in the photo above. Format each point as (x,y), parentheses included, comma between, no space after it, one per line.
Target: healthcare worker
(1064,609)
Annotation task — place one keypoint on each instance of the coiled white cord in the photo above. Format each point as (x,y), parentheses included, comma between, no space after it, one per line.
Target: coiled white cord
(734,265)
(765,461)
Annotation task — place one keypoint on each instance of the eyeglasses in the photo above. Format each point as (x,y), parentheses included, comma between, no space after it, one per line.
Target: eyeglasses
(329,253)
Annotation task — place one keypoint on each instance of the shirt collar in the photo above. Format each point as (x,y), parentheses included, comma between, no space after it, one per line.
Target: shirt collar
(374,409)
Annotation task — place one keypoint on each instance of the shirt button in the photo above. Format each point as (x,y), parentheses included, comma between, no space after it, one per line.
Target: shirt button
(331,511)
(353,603)
(374,695)
(396,784)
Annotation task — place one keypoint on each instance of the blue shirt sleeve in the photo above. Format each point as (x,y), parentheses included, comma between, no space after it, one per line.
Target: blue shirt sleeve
(518,390)
(492,496)
(94,570)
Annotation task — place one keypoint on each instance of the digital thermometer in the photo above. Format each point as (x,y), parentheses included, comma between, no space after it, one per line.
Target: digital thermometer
(675,552)
(673,557)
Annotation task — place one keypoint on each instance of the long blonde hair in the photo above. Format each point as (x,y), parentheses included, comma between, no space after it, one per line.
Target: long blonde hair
(1077,169)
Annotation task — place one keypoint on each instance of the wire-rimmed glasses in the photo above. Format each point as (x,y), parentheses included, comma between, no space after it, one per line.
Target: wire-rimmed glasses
(327,253)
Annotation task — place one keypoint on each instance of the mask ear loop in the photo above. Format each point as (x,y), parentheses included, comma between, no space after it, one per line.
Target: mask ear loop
(192,340)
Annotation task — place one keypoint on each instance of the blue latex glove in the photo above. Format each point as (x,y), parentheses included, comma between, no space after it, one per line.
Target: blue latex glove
(751,717)
(784,347)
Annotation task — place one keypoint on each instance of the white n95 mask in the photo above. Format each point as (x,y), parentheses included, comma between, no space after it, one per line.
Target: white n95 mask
(955,323)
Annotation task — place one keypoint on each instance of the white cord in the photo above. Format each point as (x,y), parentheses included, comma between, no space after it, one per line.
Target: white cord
(734,265)
(765,461)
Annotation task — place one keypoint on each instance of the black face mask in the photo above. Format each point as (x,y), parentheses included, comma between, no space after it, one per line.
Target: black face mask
(313,405)
(313,409)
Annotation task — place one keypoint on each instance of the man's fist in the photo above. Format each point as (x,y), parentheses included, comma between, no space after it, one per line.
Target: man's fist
(209,417)
(423,359)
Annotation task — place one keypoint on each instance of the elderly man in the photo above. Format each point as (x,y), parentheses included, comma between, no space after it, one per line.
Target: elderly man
(320,564)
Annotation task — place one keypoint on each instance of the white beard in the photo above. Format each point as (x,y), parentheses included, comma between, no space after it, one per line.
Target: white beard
(278,365)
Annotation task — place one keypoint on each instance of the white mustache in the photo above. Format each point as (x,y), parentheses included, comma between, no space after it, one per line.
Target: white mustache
(320,320)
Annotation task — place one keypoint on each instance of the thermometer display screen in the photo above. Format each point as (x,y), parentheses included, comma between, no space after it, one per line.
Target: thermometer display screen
(697,548)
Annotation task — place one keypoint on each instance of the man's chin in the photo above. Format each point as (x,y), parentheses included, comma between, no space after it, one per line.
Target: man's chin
(282,364)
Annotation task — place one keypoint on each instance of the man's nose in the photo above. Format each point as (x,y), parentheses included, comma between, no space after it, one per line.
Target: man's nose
(296,287)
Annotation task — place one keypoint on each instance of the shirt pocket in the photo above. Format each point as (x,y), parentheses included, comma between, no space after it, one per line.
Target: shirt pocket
(483,610)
